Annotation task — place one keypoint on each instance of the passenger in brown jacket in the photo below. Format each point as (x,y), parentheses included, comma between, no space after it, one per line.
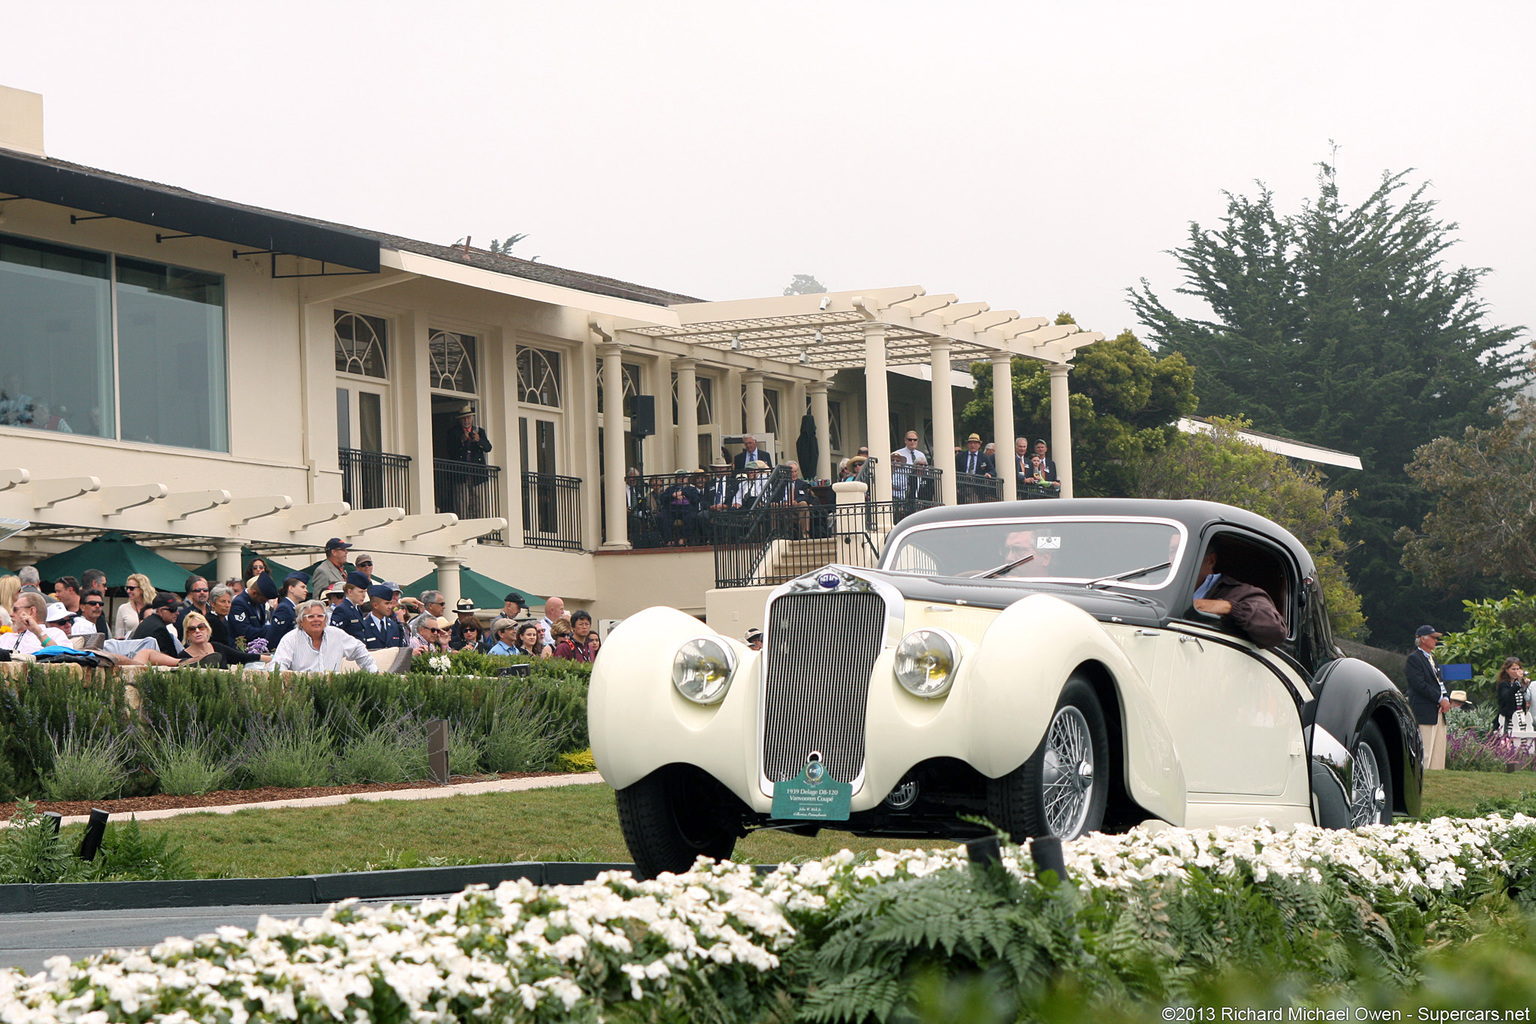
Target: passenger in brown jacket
(1246,608)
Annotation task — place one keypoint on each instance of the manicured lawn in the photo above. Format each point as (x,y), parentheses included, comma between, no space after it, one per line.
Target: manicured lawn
(569,823)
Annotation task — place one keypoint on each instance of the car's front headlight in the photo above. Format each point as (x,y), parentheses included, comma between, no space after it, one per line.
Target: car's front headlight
(701,670)
(926,660)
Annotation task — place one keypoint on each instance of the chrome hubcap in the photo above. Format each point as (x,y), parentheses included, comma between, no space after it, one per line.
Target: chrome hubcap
(1368,797)
(1066,778)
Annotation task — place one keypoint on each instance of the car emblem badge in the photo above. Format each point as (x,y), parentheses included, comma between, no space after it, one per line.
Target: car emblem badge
(829,580)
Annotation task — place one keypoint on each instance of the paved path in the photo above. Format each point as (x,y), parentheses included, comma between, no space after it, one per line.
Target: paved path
(424,793)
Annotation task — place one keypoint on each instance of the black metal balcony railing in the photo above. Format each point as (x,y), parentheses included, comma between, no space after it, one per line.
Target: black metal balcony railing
(375,479)
(748,551)
(972,488)
(469,491)
(660,511)
(552,511)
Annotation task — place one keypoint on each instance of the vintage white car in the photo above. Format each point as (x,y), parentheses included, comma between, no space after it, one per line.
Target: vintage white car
(1037,665)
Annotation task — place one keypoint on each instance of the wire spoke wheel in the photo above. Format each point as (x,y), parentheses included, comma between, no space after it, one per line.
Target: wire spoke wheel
(1368,793)
(1067,778)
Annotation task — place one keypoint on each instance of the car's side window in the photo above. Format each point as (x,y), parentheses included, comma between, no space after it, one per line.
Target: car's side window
(1257,565)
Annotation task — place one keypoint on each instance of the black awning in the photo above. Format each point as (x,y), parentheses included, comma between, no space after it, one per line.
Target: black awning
(81,188)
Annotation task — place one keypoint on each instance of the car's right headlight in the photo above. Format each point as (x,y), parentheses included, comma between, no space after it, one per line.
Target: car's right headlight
(702,669)
(926,660)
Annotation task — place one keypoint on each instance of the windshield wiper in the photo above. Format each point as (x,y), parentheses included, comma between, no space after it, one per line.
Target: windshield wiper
(1121,577)
(1005,567)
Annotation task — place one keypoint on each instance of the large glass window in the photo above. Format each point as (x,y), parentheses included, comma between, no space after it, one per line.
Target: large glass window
(55,338)
(538,377)
(157,375)
(170,334)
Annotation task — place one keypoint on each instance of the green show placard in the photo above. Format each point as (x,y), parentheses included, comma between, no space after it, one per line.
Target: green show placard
(813,795)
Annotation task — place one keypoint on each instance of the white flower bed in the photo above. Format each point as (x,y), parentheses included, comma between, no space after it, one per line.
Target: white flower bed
(531,953)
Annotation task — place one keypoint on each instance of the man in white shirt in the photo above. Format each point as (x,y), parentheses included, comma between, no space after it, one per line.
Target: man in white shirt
(30,631)
(907,471)
(317,647)
(554,608)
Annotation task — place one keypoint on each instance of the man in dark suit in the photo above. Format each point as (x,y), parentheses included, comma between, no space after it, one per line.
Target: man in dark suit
(1427,696)
(973,462)
(380,627)
(750,453)
(1046,470)
(295,591)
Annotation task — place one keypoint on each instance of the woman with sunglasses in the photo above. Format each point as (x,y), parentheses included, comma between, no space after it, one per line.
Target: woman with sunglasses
(204,652)
(468,638)
(140,593)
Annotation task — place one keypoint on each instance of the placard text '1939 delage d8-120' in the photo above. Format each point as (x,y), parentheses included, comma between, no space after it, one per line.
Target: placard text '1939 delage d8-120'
(1047,672)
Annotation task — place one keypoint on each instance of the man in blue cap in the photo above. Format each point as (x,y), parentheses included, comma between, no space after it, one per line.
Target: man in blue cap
(248,612)
(380,628)
(348,613)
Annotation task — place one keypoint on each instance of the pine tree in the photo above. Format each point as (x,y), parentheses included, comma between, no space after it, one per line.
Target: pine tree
(1344,326)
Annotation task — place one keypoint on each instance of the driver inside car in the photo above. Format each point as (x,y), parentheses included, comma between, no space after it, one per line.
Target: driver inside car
(1245,609)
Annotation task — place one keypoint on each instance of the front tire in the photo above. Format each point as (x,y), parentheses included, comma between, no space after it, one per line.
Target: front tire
(670,818)
(1370,797)
(1063,788)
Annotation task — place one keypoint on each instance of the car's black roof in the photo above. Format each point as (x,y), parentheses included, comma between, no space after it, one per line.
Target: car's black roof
(1195,515)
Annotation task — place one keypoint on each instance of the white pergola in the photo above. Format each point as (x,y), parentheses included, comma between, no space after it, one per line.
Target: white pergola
(872,330)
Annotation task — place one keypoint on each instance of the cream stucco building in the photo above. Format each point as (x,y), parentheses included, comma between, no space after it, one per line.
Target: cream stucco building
(204,375)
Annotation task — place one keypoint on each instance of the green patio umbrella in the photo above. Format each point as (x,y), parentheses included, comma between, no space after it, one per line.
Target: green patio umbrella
(278,570)
(484,591)
(118,557)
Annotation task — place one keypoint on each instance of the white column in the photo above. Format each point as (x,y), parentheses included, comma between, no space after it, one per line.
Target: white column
(818,392)
(448,578)
(660,448)
(877,405)
(591,506)
(687,439)
(943,418)
(615,519)
(1002,415)
(501,365)
(756,413)
(413,360)
(227,560)
(1061,426)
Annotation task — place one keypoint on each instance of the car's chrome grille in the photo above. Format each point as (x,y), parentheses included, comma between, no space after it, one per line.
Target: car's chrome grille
(821,650)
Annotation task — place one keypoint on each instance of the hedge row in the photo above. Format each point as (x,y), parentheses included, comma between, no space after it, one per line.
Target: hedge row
(46,707)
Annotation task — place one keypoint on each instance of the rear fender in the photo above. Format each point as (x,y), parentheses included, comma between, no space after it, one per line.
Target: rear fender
(1350,693)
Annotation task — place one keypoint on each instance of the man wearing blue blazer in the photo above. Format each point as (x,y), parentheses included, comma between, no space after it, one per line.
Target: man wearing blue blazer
(380,628)
(285,616)
(348,613)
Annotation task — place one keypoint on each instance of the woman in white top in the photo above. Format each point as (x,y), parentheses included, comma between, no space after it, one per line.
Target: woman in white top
(140,594)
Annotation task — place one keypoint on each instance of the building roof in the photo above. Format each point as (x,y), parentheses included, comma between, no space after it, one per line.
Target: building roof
(1287,446)
(96,191)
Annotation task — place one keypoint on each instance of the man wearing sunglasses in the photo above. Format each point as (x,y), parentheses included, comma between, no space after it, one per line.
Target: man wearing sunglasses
(197,601)
(91,618)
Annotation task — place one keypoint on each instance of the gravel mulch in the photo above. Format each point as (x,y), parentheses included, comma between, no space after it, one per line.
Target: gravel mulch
(225,797)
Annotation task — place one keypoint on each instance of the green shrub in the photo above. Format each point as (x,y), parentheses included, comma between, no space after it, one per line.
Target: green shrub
(520,740)
(384,753)
(289,751)
(87,767)
(190,763)
(30,851)
(577,761)
(1496,628)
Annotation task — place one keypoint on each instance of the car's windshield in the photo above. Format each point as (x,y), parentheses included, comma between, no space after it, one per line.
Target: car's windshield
(1074,550)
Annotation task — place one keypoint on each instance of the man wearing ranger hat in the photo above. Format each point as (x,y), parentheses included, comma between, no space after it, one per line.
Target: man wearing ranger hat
(1427,696)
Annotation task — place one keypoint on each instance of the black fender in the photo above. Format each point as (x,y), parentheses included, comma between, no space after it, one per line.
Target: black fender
(1348,693)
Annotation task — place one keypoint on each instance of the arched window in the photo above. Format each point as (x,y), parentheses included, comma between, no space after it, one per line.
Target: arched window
(361,345)
(538,377)
(453,362)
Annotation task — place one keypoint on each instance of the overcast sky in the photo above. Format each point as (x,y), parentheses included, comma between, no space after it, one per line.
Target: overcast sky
(1039,157)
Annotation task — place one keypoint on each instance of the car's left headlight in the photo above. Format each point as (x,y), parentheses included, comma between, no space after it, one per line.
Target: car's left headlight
(702,670)
(926,660)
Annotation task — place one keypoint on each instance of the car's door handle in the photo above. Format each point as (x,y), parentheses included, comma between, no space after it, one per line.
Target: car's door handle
(1185,638)
(1148,632)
